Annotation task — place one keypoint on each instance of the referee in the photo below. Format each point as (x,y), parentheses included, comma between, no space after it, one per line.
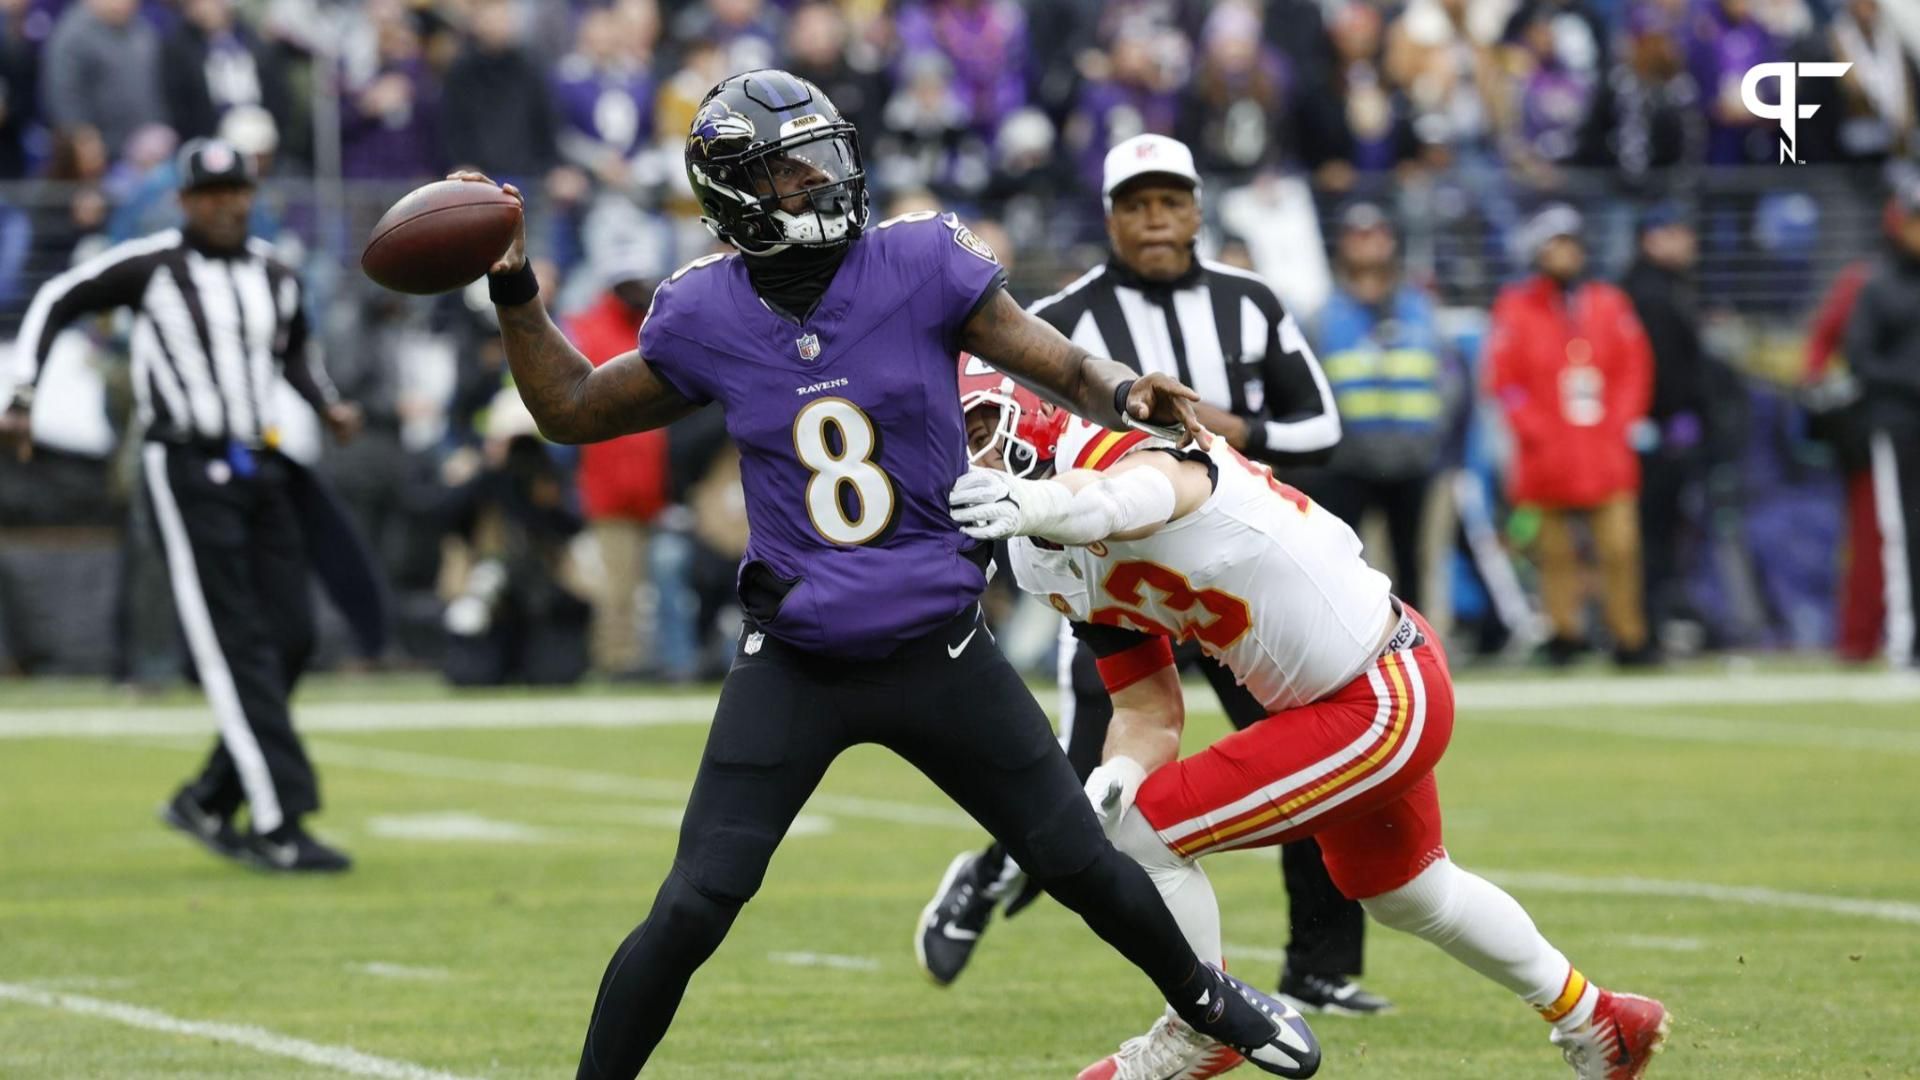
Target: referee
(215,321)
(1156,306)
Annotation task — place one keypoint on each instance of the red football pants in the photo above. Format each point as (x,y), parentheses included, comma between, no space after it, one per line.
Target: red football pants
(1353,770)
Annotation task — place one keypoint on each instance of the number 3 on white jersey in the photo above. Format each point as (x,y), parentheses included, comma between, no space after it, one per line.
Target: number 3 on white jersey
(852,465)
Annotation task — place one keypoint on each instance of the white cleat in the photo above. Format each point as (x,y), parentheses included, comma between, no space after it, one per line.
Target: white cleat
(1170,1050)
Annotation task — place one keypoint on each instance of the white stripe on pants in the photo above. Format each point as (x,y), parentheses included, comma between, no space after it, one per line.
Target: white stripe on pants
(263,801)
(1893,550)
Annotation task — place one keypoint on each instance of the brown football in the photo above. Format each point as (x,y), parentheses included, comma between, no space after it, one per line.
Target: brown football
(440,237)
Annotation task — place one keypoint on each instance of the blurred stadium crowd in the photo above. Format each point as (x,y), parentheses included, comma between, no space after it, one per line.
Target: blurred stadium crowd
(1321,126)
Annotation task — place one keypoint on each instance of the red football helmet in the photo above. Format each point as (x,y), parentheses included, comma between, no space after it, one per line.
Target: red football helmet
(1028,431)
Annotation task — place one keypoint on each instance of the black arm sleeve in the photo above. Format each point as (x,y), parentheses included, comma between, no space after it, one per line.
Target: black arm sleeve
(1299,424)
(1108,641)
(303,368)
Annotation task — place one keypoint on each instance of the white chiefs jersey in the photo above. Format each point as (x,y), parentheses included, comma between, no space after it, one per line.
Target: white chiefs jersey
(1267,582)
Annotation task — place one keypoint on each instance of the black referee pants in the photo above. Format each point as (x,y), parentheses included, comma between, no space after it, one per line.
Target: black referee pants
(951,705)
(239,570)
(1327,931)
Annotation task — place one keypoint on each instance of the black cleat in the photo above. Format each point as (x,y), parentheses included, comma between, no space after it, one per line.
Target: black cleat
(952,922)
(1268,1032)
(186,816)
(291,849)
(1333,994)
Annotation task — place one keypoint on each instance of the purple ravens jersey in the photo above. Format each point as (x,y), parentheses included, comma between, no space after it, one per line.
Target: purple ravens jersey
(848,424)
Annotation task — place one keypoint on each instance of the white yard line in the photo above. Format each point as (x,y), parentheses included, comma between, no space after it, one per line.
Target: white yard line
(344,1059)
(825,960)
(555,778)
(1262,954)
(1898,911)
(380,969)
(1661,944)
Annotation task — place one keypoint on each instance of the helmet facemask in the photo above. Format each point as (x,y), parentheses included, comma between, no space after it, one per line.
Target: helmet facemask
(1019,457)
(809,192)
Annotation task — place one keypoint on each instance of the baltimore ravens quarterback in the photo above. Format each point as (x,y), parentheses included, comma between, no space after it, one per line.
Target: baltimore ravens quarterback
(831,345)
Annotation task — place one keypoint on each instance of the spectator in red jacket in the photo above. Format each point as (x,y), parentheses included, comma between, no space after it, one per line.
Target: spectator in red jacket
(1861,607)
(1572,369)
(623,482)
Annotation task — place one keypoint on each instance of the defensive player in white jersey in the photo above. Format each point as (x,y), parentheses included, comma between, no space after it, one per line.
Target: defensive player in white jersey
(1138,542)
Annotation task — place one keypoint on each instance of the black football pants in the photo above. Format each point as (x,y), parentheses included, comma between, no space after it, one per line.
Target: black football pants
(239,571)
(951,705)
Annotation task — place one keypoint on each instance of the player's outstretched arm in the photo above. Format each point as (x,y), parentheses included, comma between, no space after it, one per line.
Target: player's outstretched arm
(1131,500)
(1024,346)
(571,400)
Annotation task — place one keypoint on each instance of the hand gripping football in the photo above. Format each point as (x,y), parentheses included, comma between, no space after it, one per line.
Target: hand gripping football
(441,237)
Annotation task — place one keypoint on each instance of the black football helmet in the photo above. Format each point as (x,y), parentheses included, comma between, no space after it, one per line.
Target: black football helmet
(762,140)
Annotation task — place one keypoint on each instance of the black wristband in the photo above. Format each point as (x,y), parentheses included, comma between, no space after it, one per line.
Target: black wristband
(513,288)
(1120,397)
(1256,436)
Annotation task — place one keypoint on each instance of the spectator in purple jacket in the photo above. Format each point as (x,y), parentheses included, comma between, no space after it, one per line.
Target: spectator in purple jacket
(985,43)
(1553,92)
(603,92)
(1140,93)
(389,124)
(1726,40)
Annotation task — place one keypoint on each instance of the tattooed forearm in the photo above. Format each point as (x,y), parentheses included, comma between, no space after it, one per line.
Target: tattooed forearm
(571,400)
(1040,357)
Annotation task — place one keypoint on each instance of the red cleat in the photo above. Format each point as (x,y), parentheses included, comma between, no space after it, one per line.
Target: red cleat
(1618,1042)
(1170,1050)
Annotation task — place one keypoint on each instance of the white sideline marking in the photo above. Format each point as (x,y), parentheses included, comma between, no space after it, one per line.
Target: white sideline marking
(454,825)
(557,711)
(552,778)
(382,970)
(339,1058)
(1898,911)
(1732,688)
(825,960)
(1813,733)
(1661,944)
(529,713)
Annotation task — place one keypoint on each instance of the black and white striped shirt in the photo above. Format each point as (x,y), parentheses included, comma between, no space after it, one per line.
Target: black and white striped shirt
(211,334)
(1220,330)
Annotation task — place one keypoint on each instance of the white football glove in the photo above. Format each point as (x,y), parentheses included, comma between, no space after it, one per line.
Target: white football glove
(984,504)
(1111,789)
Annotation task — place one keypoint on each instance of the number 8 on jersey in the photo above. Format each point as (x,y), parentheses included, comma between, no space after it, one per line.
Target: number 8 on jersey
(851,465)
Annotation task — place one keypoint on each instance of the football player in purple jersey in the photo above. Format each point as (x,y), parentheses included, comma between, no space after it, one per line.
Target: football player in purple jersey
(830,344)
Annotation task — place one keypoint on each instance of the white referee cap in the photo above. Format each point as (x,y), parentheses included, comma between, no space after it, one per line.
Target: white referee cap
(1147,155)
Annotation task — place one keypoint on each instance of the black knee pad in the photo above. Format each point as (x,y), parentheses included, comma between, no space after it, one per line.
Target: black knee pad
(690,921)
(1068,843)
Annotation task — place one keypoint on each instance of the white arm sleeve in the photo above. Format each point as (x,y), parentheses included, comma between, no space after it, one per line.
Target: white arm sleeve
(1122,502)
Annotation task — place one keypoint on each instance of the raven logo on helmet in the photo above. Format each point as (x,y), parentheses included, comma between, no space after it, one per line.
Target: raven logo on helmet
(774,165)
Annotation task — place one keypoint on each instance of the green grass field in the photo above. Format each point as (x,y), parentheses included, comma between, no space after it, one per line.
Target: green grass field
(1753,864)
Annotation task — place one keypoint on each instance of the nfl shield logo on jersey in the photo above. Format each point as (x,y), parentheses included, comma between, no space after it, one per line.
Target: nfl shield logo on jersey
(809,346)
